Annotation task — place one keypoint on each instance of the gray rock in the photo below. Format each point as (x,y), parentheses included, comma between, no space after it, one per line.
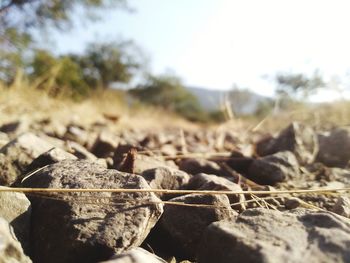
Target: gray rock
(274,168)
(261,235)
(4,139)
(185,224)
(297,138)
(52,156)
(105,145)
(88,227)
(18,154)
(168,150)
(10,249)
(77,134)
(135,255)
(342,206)
(79,151)
(212,182)
(166,178)
(15,127)
(335,148)
(15,208)
(196,166)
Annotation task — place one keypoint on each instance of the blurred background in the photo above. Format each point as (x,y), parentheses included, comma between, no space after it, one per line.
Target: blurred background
(203,60)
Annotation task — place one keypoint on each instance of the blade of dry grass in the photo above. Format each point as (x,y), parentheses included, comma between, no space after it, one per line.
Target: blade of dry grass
(168,191)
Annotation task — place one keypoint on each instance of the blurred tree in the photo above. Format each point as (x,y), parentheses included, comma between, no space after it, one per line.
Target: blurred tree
(240,98)
(58,76)
(169,93)
(107,63)
(20,19)
(290,84)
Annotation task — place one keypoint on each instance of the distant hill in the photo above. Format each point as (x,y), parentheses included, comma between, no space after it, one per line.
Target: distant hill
(247,101)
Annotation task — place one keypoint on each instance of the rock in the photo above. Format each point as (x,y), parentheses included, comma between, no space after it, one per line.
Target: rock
(292,203)
(240,164)
(15,127)
(15,208)
(54,155)
(79,151)
(18,154)
(335,148)
(297,138)
(342,206)
(185,225)
(212,182)
(105,145)
(166,178)
(135,255)
(196,166)
(4,139)
(52,127)
(168,150)
(262,235)
(10,248)
(274,168)
(77,134)
(88,227)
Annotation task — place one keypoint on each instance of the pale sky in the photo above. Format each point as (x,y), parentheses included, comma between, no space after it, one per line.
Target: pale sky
(216,43)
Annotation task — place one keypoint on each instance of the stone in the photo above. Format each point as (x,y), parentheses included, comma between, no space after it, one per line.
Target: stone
(4,139)
(88,227)
(196,166)
(185,224)
(342,206)
(15,208)
(15,127)
(292,203)
(135,255)
(77,134)
(54,155)
(168,150)
(297,138)
(18,154)
(79,151)
(273,169)
(166,178)
(10,249)
(240,164)
(335,148)
(105,144)
(212,182)
(262,235)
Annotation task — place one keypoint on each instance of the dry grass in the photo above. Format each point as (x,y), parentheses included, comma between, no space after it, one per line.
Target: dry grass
(23,101)
(323,116)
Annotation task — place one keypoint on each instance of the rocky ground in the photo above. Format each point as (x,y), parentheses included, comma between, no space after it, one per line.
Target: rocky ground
(143,226)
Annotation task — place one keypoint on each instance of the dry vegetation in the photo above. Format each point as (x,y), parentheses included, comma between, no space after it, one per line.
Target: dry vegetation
(22,100)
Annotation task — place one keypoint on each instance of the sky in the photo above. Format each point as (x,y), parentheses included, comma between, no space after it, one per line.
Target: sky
(218,43)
